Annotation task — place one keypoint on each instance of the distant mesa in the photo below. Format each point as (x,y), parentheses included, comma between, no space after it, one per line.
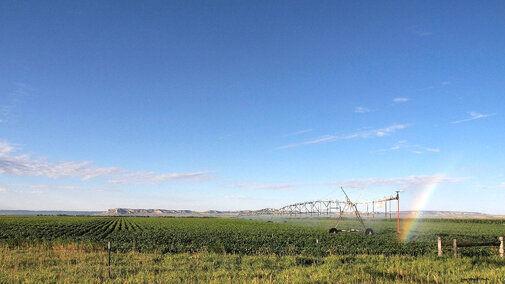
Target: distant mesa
(146,212)
(167,212)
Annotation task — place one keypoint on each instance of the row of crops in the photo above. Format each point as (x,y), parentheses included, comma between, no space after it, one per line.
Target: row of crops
(237,236)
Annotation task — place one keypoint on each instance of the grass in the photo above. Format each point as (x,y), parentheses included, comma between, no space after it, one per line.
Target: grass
(217,250)
(73,263)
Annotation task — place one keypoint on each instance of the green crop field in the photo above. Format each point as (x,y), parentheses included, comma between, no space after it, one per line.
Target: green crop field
(50,248)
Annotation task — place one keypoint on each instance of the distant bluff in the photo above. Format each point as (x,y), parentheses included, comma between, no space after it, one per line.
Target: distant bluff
(146,212)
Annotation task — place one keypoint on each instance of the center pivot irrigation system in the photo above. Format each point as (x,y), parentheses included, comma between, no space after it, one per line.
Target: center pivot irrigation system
(336,208)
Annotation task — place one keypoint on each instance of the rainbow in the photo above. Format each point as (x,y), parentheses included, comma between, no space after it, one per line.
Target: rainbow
(420,203)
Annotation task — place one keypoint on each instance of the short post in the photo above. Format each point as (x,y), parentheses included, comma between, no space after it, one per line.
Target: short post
(373,209)
(108,262)
(455,247)
(385,210)
(390,215)
(439,242)
(501,246)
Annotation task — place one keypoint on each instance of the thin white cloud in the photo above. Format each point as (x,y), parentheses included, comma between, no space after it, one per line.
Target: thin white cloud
(425,88)
(403,182)
(25,165)
(401,100)
(240,197)
(420,31)
(413,148)
(263,186)
(47,186)
(436,85)
(299,132)
(73,188)
(408,182)
(18,191)
(5,148)
(473,116)
(153,178)
(14,97)
(380,132)
(425,33)
(361,109)
(499,186)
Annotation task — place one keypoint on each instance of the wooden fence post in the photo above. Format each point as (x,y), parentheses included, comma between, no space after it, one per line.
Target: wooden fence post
(373,209)
(439,241)
(501,246)
(108,262)
(455,247)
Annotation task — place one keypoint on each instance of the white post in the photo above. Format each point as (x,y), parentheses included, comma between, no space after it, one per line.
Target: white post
(439,241)
(501,246)
(108,262)
(455,247)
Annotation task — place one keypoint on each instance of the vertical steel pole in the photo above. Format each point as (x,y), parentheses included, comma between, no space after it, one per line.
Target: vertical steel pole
(398,210)
(385,210)
(390,217)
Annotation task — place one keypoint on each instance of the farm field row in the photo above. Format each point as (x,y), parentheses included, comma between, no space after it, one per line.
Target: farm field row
(289,236)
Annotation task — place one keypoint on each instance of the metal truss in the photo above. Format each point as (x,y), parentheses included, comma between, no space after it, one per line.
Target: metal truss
(326,208)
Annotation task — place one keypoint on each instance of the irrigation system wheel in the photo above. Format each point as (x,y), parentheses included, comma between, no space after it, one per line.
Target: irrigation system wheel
(333,230)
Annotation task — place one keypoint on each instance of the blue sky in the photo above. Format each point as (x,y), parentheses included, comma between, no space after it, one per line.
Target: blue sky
(250,104)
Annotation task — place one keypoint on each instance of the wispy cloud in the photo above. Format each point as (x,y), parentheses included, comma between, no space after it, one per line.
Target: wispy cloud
(25,165)
(299,132)
(403,182)
(413,148)
(426,88)
(409,182)
(14,97)
(420,31)
(473,116)
(361,109)
(401,100)
(499,186)
(435,86)
(154,178)
(264,186)
(73,188)
(18,191)
(240,197)
(5,148)
(380,132)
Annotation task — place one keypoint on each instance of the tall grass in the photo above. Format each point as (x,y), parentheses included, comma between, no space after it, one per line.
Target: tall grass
(73,263)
